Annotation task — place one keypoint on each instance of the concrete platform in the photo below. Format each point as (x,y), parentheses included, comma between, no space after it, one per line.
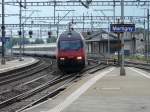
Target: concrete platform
(104,91)
(16,64)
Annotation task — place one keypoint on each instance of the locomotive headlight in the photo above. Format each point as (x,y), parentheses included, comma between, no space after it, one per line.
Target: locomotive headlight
(69,34)
(79,58)
(62,58)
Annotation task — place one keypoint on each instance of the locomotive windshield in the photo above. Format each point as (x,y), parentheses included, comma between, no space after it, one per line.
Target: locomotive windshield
(70,45)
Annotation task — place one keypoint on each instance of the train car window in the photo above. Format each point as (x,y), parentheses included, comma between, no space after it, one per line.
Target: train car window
(70,45)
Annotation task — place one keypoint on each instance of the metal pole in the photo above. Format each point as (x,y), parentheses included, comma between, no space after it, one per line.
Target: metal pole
(145,39)
(134,44)
(24,30)
(122,70)
(54,10)
(11,44)
(91,22)
(147,34)
(108,42)
(58,26)
(3,62)
(118,49)
(83,22)
(114,11)
(40,32)
(20,24)
(23,40)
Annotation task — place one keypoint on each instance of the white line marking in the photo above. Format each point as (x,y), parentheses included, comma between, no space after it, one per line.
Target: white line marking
(112,75)
(110,88)
(74,96)
(147,76)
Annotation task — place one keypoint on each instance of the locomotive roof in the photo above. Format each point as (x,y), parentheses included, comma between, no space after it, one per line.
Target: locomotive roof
(73,34)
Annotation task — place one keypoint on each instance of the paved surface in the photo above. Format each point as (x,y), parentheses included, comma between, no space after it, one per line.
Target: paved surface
(15,64)
(104,91)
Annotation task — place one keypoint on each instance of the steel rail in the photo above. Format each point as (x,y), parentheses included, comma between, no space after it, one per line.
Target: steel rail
(14,77)
(22,95)
(62,87)
(56,81)
(143,66)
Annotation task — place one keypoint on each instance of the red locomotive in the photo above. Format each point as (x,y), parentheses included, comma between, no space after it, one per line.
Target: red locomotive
(71,53)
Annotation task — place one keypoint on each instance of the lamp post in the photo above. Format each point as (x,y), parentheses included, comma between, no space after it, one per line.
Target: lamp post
(3,62)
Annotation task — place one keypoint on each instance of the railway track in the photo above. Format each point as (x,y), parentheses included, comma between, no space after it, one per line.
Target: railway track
(39,89)
(9,81)
(143,66)
(20,69)
(52,90)
(25,90)
(27,71)
(96,66)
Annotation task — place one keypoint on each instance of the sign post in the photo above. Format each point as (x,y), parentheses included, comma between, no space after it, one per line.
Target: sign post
(122,70)
(120,29)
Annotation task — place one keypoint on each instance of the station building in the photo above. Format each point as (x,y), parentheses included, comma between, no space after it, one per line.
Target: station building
(99,42)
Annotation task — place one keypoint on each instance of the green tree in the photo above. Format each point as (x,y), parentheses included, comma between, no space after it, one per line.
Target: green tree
(39,41)
(51,39)
(16,41)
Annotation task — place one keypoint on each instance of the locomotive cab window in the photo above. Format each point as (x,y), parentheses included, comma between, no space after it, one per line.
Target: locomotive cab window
(70,45)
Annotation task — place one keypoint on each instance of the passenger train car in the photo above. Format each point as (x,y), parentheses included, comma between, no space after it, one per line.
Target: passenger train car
(38,50)
(71,51)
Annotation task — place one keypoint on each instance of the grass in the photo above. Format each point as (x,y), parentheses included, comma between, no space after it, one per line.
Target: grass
(135,58)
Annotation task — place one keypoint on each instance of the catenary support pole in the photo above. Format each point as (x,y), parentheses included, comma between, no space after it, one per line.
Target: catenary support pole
(148,36)
(3,34)
(122,69)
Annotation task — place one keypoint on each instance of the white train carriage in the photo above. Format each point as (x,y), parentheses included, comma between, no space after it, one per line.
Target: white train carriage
(37,49)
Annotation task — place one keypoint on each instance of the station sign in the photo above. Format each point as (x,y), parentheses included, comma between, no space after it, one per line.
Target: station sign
(120,28)
(4,39)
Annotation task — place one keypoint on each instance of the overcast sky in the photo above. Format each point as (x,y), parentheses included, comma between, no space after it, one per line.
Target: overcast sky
(48,11)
